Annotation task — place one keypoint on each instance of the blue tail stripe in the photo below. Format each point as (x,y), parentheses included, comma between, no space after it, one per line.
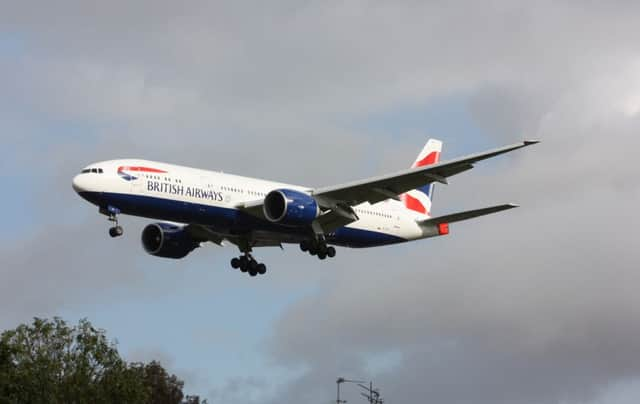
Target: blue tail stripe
(427,189)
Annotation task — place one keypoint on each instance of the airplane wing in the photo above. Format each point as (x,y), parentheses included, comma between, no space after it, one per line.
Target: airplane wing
(337,201)
(377,189)
(204,233)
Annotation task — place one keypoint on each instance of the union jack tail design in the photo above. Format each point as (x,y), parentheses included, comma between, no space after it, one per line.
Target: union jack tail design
(420,200)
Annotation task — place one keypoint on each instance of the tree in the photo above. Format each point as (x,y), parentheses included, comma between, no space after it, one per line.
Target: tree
(162,387)
(193,400)
(50,362)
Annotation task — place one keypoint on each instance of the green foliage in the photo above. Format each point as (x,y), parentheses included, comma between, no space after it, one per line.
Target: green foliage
(164,388)
(193,400)
(50,362)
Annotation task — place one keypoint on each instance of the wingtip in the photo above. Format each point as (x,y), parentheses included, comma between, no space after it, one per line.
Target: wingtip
(530,142)
(513,205)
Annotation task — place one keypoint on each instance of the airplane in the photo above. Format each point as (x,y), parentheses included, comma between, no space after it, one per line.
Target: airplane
(195,206)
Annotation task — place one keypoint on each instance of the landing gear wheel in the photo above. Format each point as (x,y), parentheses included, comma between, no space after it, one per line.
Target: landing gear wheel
(253,265)
(116,231)
(322,255)
(331,252)
(247,263)
(304,246)
(244,264)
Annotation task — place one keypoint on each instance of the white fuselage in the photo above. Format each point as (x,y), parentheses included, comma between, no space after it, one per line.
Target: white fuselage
(188,195)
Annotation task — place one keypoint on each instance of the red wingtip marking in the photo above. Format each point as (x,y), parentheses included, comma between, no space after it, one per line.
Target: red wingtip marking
(443,229)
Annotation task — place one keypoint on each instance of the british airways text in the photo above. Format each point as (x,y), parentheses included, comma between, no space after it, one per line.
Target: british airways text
(175,189)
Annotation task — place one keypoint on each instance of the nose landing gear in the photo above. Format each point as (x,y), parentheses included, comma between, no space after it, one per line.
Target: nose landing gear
(116,231)
(112,213)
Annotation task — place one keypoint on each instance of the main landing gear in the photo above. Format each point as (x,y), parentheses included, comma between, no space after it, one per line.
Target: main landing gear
(319,248)
(112,213)
(247,263)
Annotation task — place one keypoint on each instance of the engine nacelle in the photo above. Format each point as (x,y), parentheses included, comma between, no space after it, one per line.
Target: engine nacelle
(167,240)
(289,207)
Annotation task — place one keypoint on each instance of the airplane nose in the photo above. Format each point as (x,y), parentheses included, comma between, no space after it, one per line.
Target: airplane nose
(77,184)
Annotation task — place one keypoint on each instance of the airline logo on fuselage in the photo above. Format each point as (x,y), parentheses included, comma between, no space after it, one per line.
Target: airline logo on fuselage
(183,190)
(125,172)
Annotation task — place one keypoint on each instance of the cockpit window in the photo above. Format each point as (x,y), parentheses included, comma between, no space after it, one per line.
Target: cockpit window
(92,170)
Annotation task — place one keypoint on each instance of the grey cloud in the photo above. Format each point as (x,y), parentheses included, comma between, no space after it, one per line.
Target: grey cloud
(337,57)
(237,390)
(42,275)
(528,307)
(536,305)
(508,113)
(539,306)
(192,378)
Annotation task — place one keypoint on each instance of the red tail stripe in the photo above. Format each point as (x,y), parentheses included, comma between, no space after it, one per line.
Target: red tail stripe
(431,158)
(414,204)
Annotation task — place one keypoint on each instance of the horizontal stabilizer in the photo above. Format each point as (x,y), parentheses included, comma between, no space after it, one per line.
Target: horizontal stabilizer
(470,214)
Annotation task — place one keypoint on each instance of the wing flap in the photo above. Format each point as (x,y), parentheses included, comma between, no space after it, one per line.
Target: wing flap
(203,233)
(333,220)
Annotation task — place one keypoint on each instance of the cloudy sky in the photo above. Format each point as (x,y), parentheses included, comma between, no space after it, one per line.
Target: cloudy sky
(536,305)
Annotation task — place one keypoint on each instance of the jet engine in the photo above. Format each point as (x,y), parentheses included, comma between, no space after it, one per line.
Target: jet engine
(289,207)
(167,240)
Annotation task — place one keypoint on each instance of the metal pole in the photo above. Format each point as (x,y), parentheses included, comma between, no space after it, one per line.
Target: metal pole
(339,381)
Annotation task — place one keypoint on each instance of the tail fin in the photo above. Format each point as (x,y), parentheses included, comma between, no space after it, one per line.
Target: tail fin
(420,200)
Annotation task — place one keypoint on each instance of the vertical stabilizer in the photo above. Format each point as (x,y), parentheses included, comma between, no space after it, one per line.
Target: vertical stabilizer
(420,200)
